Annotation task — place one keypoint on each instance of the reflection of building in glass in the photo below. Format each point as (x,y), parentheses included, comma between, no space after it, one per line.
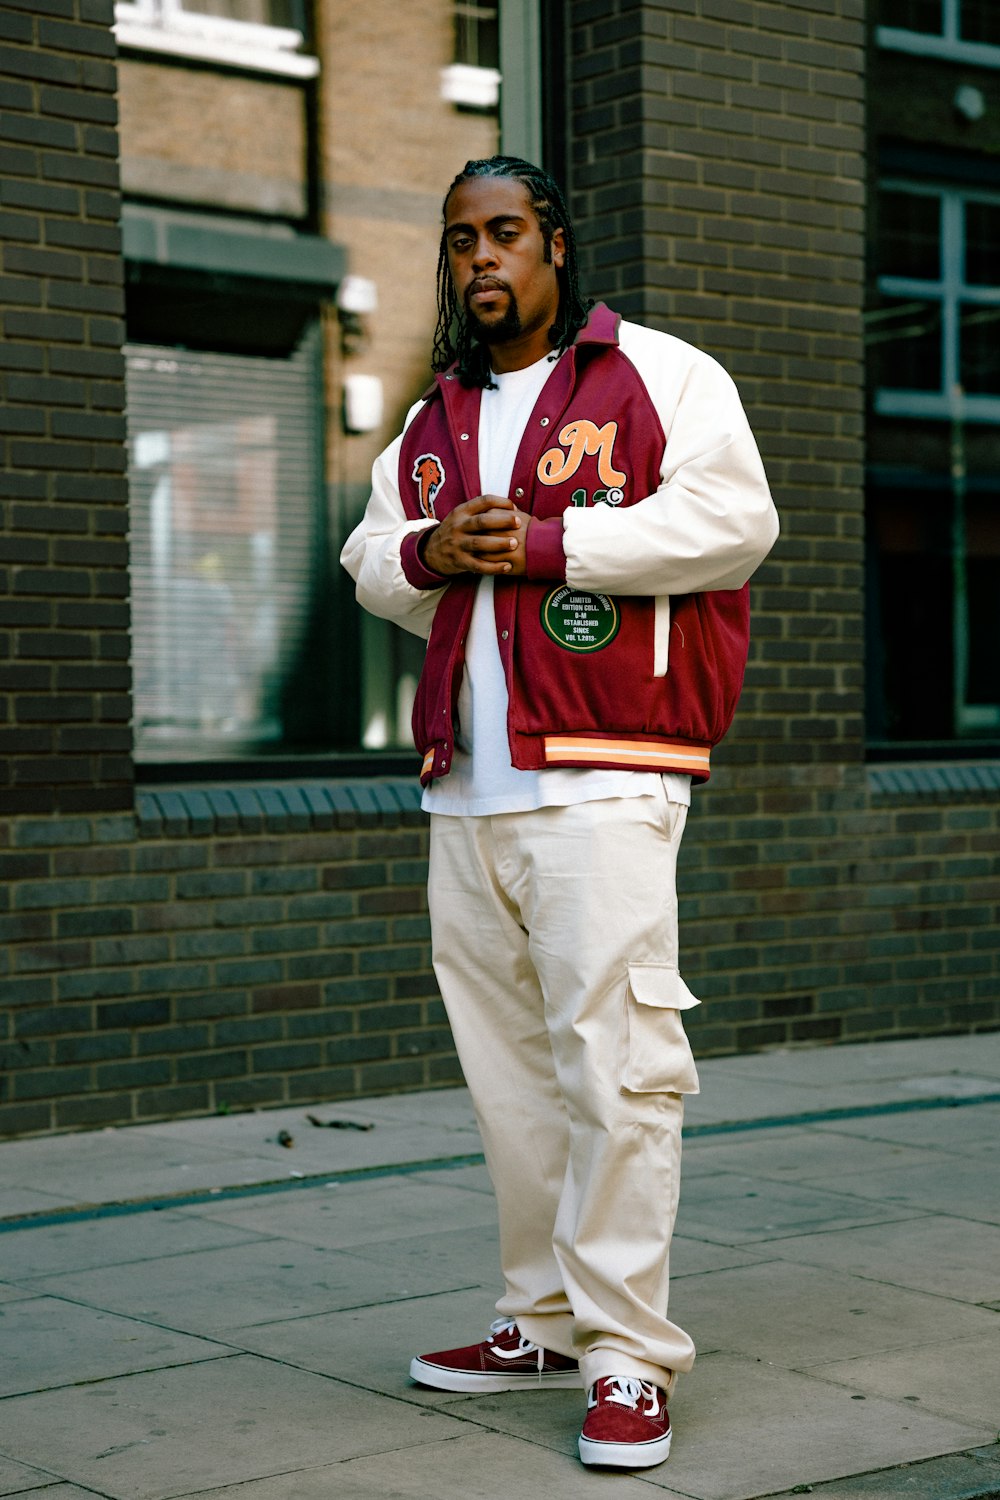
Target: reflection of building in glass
(223,460)
(283,167)
(933,337)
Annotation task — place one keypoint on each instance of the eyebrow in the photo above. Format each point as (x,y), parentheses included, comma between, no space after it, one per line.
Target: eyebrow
(493,223)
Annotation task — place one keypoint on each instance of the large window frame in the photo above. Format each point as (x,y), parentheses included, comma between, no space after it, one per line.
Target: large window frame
(923,303)
(166,26)
(947,45)
(950,291)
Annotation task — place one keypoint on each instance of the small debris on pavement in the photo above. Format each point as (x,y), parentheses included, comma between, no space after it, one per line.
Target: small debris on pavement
(341,1124)
(285,1138)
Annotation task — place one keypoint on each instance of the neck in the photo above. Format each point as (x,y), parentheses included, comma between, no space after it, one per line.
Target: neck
(521,352)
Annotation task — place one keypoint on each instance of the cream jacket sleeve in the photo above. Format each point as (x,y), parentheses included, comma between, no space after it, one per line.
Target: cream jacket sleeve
(711,521)
(371,552)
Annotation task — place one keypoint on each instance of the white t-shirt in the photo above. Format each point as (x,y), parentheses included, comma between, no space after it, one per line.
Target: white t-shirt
(482,780)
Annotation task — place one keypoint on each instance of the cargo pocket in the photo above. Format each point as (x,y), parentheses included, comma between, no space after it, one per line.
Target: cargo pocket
(656,1054)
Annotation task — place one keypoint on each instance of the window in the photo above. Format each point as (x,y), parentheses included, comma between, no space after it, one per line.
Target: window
(934,333)
(226,546)
(264,34)
(933,501)
(473,79)
(959,30)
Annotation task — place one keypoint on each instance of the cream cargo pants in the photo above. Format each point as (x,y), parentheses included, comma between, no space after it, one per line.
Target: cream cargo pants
(555,946)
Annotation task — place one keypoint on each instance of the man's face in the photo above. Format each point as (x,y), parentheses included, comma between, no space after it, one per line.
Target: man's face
(497,259)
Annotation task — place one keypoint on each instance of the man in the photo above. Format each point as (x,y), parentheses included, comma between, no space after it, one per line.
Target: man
(571,515)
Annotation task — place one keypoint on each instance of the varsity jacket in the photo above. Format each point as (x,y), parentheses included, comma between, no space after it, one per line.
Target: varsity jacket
(625,644)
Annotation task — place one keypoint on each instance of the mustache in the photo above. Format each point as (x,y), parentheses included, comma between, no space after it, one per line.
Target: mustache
(484,284)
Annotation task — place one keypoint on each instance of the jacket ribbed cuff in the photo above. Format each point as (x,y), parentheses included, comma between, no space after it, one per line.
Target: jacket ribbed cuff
(543,548)
(415,569)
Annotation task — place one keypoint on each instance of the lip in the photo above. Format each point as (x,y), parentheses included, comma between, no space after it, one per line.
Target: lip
(484,293)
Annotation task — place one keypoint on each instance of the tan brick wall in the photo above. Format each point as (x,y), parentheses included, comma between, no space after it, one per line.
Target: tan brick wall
(214,139)
(390,145)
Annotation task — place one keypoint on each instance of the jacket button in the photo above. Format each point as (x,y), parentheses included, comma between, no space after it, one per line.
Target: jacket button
(545,422)
(465,437)
(504,634)
(519,492)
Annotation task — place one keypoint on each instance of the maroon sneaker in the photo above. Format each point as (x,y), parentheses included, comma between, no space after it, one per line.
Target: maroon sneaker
(506,1361)
(627,1426)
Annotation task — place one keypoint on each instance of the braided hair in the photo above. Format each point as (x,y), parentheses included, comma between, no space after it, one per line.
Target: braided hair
(453,337)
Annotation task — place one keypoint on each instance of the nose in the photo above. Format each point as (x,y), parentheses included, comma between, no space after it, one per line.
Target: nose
(485,255)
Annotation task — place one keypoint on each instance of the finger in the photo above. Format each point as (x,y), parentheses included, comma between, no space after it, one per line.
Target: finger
(494,520)
(486,502)
(481,542)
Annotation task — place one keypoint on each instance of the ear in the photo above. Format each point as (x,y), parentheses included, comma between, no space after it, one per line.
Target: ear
(558,248)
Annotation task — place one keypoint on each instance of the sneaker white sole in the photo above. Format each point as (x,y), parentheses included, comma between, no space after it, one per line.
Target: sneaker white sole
(625,1455)
(466,1381)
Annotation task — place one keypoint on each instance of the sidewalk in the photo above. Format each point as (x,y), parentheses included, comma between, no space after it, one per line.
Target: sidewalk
(195,1309)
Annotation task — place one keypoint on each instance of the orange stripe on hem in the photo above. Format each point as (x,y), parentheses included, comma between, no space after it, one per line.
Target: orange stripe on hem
(428,763)
(638,752)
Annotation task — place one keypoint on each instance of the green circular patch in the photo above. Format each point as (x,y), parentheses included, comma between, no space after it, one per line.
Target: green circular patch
(579,621)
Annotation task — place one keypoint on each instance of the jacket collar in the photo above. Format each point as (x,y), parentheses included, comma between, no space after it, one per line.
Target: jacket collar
(601,327)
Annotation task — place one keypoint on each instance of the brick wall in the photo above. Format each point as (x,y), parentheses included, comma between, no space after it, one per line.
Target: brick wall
(254,946)
(64,626)
(220,949)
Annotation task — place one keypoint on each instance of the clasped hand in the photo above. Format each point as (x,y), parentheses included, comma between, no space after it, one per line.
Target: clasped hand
(485,535)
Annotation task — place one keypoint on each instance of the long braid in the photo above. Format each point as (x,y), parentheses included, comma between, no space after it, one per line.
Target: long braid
(453,338)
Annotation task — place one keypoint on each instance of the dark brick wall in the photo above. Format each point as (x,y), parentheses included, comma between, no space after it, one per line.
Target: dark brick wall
(268,945)
(64,734)
(251,951)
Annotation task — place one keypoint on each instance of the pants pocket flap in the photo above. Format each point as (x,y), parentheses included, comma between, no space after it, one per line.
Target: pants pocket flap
(660,985)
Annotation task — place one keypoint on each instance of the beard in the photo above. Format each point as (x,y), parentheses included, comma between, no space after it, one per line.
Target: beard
(503,330)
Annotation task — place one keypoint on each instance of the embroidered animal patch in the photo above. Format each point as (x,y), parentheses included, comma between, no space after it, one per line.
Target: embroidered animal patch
(428,472)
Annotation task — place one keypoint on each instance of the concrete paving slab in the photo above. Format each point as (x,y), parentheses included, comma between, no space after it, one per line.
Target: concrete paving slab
(792,1153)
(473,1259)
(18,1479)
(79,1246)
(372,1346)
(691,1257)
(471,1179)
(964,1189)
(49,1343)
(736,1209)
(412,1127)
(831,1066)
(964,1476)
(53,1492)
(796,1317)
(259,1282)
(970,1131)
(790,1430)
(738,1097)
(124,1170)
(482,1466)
(14,1293)
(16,1202)
(182,1431)
(955,1378)
(364,1213)
(945,1256)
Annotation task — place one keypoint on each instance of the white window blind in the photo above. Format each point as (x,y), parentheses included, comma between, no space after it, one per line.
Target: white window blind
(223,454)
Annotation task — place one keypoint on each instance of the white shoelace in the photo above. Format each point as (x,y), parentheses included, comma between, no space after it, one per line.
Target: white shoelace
(524,1346)
(627,1391)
